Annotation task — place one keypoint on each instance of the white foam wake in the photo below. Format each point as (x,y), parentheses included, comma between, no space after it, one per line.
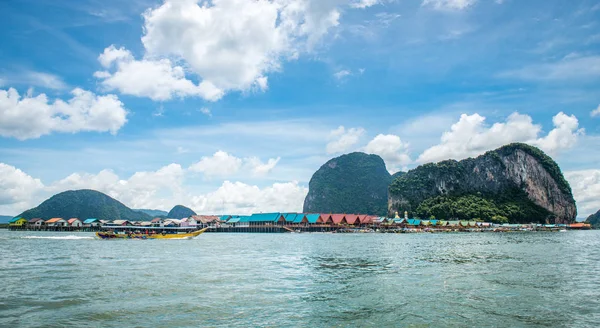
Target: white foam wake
(58,237)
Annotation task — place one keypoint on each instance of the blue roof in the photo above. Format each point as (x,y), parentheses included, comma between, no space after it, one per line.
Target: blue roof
(90,220)
(413,222)
(434,222)
(244,218)
(290,217)
(233,220)
(299,218)
(265,217)
(312,218)
(15,219)
(225,217)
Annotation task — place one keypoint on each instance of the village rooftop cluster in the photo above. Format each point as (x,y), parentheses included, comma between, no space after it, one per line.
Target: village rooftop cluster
(287,222)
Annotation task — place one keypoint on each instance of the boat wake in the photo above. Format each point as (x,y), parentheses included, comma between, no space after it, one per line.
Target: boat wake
(58,237)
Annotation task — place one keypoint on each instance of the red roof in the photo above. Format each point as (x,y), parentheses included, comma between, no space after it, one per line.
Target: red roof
(71,220)
(367,219)
(156,220)
(337,218)
(352,219)
(323,218)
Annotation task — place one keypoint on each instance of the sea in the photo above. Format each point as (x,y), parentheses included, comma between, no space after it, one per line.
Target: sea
(525,279)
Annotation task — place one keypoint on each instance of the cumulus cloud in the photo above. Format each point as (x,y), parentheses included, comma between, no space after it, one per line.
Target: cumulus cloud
(161,189)
(258,168)
(596,111)
(449,4)
(31,117)
(155,79)
(343,139)
(241,198)
(227,44)
(146,189)
(219,164)
(586,188)
(393,151)
(222,164)
(18,189)
(470,136)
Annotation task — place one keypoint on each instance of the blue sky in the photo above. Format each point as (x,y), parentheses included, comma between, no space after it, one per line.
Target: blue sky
(231,105)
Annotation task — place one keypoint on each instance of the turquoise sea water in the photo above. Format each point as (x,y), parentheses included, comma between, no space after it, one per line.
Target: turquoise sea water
(302,280)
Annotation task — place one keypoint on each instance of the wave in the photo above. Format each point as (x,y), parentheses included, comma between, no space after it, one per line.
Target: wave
(58,237)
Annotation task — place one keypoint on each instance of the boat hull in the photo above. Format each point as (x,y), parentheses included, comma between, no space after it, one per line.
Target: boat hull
(112,235)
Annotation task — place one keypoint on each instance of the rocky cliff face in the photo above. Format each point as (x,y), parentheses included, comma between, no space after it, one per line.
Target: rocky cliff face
(352,183)
(515,175)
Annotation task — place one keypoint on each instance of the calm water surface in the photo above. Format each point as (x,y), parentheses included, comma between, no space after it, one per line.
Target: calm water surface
(302,280)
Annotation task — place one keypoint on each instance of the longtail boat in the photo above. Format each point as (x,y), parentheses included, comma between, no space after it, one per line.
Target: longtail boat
(134,232)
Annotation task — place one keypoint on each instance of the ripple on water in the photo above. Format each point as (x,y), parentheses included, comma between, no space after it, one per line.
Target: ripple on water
(310,280)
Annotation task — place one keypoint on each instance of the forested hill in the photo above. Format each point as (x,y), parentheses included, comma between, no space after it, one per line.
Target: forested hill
(351,183)
(594,220)
(180,212)
(84,204)
(514,183)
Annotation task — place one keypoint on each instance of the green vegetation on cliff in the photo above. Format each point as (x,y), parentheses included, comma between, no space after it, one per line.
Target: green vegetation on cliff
(83,204)
(594,220)
(351,183)
(180,212)
(514,183)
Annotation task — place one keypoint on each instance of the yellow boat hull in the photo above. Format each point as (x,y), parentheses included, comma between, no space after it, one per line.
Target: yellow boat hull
(112,235)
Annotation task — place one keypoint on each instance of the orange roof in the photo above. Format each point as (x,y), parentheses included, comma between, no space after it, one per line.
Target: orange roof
(54,220)
(352,219)
(579,225)
(337,218)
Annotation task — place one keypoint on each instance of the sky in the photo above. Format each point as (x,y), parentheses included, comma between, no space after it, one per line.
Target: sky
(230,106)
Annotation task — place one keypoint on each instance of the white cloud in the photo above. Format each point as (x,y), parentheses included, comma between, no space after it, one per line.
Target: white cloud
(31,117)
(206,111)
(564,135)
(155,79)
(18,189)
(393,151)
(343,140)
(258,168)
(569,68)
(233,44)
(449,4)
(222,164)
(596,111)
(219,164)
(148,189)
(160,189)
(33,78)
(586,188)
(362,4)
(470,136)
(342,74)
(241,198)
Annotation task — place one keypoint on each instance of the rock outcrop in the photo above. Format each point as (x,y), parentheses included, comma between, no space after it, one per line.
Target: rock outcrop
(516,181)
(351,183)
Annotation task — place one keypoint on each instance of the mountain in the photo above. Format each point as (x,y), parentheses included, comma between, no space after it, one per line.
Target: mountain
(352,183)
(514,183)
(152,213)
(84,204)
(594,220)
(5,218)
(180,212)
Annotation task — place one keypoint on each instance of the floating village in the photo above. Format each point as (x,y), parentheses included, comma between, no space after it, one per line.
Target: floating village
(287,223)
